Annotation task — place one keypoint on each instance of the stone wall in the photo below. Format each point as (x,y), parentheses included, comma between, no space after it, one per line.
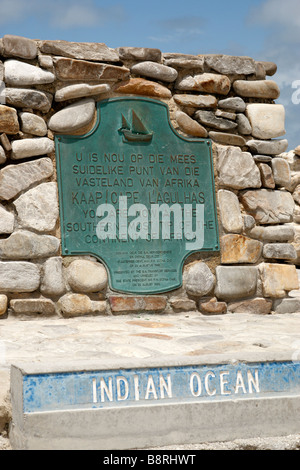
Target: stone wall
(51,87)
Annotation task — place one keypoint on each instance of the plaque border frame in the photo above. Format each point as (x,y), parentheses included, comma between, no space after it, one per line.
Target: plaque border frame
(65,252)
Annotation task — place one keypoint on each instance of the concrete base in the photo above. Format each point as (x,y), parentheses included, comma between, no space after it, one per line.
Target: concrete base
(58,411)
(148,426)
(123,346)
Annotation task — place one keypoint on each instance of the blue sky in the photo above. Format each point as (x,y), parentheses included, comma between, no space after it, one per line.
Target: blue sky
(262,29)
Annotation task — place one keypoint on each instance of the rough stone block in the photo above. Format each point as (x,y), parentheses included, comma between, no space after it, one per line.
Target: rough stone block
(270,67)
(52,277)
(208,118)
(260,71)
(281,172)
(258,306)
(266,174)
(237,249)
(3,304)
(26,148)
(180,304)
(296,194)
(17,178)
(267,120)
(29,98)
(122,304)
(235,104)
(212,307)
(73,117)
(80,70)
(18,46)
(235,282)
(86,276)
(269,207)
(280,251)
(72,305)
(230,212)
(79,50)
(7,221)
(293,160)
(21,74)
(143,87)
(196,101)
(19,276)
(80,90)
(244,126)
(287,305)
(5,142)
(264,89)
(154,70)
(28,245)
(225,114)
(9,123)
(278,279)
(206,82)
(198,279)
(268,147)
(33,306)
(231,65)
(297,214)
(33,124)
(189,125)
(297,151)
(45,61)
(249,222)
(139,53)
(237,169)
(37,209)
(184,61)
(275,233)
(227,139)
(262,158)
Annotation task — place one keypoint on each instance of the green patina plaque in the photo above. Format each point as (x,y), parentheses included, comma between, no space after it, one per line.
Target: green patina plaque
(136,195)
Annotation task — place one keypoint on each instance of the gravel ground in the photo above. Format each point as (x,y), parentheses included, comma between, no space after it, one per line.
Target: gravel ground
(4,442)
(271,443)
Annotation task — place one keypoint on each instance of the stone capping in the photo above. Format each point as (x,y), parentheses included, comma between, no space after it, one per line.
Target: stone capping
(53,86)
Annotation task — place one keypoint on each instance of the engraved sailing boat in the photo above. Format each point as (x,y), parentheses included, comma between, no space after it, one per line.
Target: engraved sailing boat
(137,132)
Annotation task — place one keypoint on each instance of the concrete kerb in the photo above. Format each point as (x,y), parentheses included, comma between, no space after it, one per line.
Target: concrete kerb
(285,409)
(151,424)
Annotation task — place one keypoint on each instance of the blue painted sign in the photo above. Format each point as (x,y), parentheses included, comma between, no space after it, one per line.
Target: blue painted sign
(135,387)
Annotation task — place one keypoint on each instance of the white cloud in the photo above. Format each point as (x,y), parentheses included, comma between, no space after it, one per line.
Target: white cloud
(179,29)
(281,22)
(85,14)
(189,25)
(63,15)
(16,10)
(75,16)
(280,12)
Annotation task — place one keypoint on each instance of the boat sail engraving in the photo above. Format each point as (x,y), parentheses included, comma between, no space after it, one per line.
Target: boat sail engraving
(136,132)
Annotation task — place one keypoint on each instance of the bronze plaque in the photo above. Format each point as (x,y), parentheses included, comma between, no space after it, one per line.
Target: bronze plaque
(136,195)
